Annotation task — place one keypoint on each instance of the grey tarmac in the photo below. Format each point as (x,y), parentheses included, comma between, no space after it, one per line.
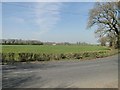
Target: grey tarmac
(96,73)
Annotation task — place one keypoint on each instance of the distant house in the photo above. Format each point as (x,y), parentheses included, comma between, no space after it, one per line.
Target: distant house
(54,44)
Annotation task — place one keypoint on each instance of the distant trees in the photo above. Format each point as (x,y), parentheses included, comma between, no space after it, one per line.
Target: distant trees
(103,15)
(82,43)
(20,42)
(29,42)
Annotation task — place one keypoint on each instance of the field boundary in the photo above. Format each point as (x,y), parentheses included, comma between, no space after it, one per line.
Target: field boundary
(11,58)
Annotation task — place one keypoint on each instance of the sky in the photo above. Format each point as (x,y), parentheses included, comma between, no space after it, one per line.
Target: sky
(47,21)
(0,20)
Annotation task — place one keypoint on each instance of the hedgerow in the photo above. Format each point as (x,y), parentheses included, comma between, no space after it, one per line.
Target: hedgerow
(27,57)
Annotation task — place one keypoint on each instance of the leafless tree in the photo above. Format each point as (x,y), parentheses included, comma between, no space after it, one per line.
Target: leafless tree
(103,15)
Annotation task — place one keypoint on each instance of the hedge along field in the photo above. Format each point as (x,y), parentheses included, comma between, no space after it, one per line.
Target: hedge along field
(25,53)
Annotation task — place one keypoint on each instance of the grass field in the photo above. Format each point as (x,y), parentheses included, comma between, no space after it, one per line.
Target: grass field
(25,53)
(50,48)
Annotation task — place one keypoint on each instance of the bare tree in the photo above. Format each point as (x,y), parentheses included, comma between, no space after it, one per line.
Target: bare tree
(103,15)
(103,41)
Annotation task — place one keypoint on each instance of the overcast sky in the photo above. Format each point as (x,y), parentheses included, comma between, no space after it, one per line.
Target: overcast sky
(55,22)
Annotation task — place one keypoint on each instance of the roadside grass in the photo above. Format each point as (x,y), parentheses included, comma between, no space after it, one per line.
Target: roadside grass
(28,53)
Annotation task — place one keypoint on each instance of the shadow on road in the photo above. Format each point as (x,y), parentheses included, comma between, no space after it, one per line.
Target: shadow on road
(14,80)
(21,66)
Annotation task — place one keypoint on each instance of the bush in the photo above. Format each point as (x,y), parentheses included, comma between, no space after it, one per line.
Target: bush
(86,54)
(44,57)
(62,56)
(69,56)
(78,56)
(11,56)
(25,57)
(57,57)
(4,60)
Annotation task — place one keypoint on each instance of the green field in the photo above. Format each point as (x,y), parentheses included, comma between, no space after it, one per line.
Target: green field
(25,53)
(51,49)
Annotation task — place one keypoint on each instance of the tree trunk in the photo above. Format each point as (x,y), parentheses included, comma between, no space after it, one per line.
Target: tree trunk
(110,44)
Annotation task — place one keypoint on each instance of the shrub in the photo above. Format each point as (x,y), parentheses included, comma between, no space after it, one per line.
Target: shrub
(44,57)
(25,57)
(22,57)
(11,56)
(35,57)
(31,57)
(57,57)
(69,56)
(4,60)
(62,56)
(86,54)
(78,56)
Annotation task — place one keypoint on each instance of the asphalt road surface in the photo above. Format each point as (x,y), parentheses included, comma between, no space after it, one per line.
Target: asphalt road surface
(97,73)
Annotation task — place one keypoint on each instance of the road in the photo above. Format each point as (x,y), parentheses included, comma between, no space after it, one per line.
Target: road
(97,73)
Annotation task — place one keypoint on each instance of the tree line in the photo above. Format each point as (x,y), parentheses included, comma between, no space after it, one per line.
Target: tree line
(29,42)
(20,42)
(36,42)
